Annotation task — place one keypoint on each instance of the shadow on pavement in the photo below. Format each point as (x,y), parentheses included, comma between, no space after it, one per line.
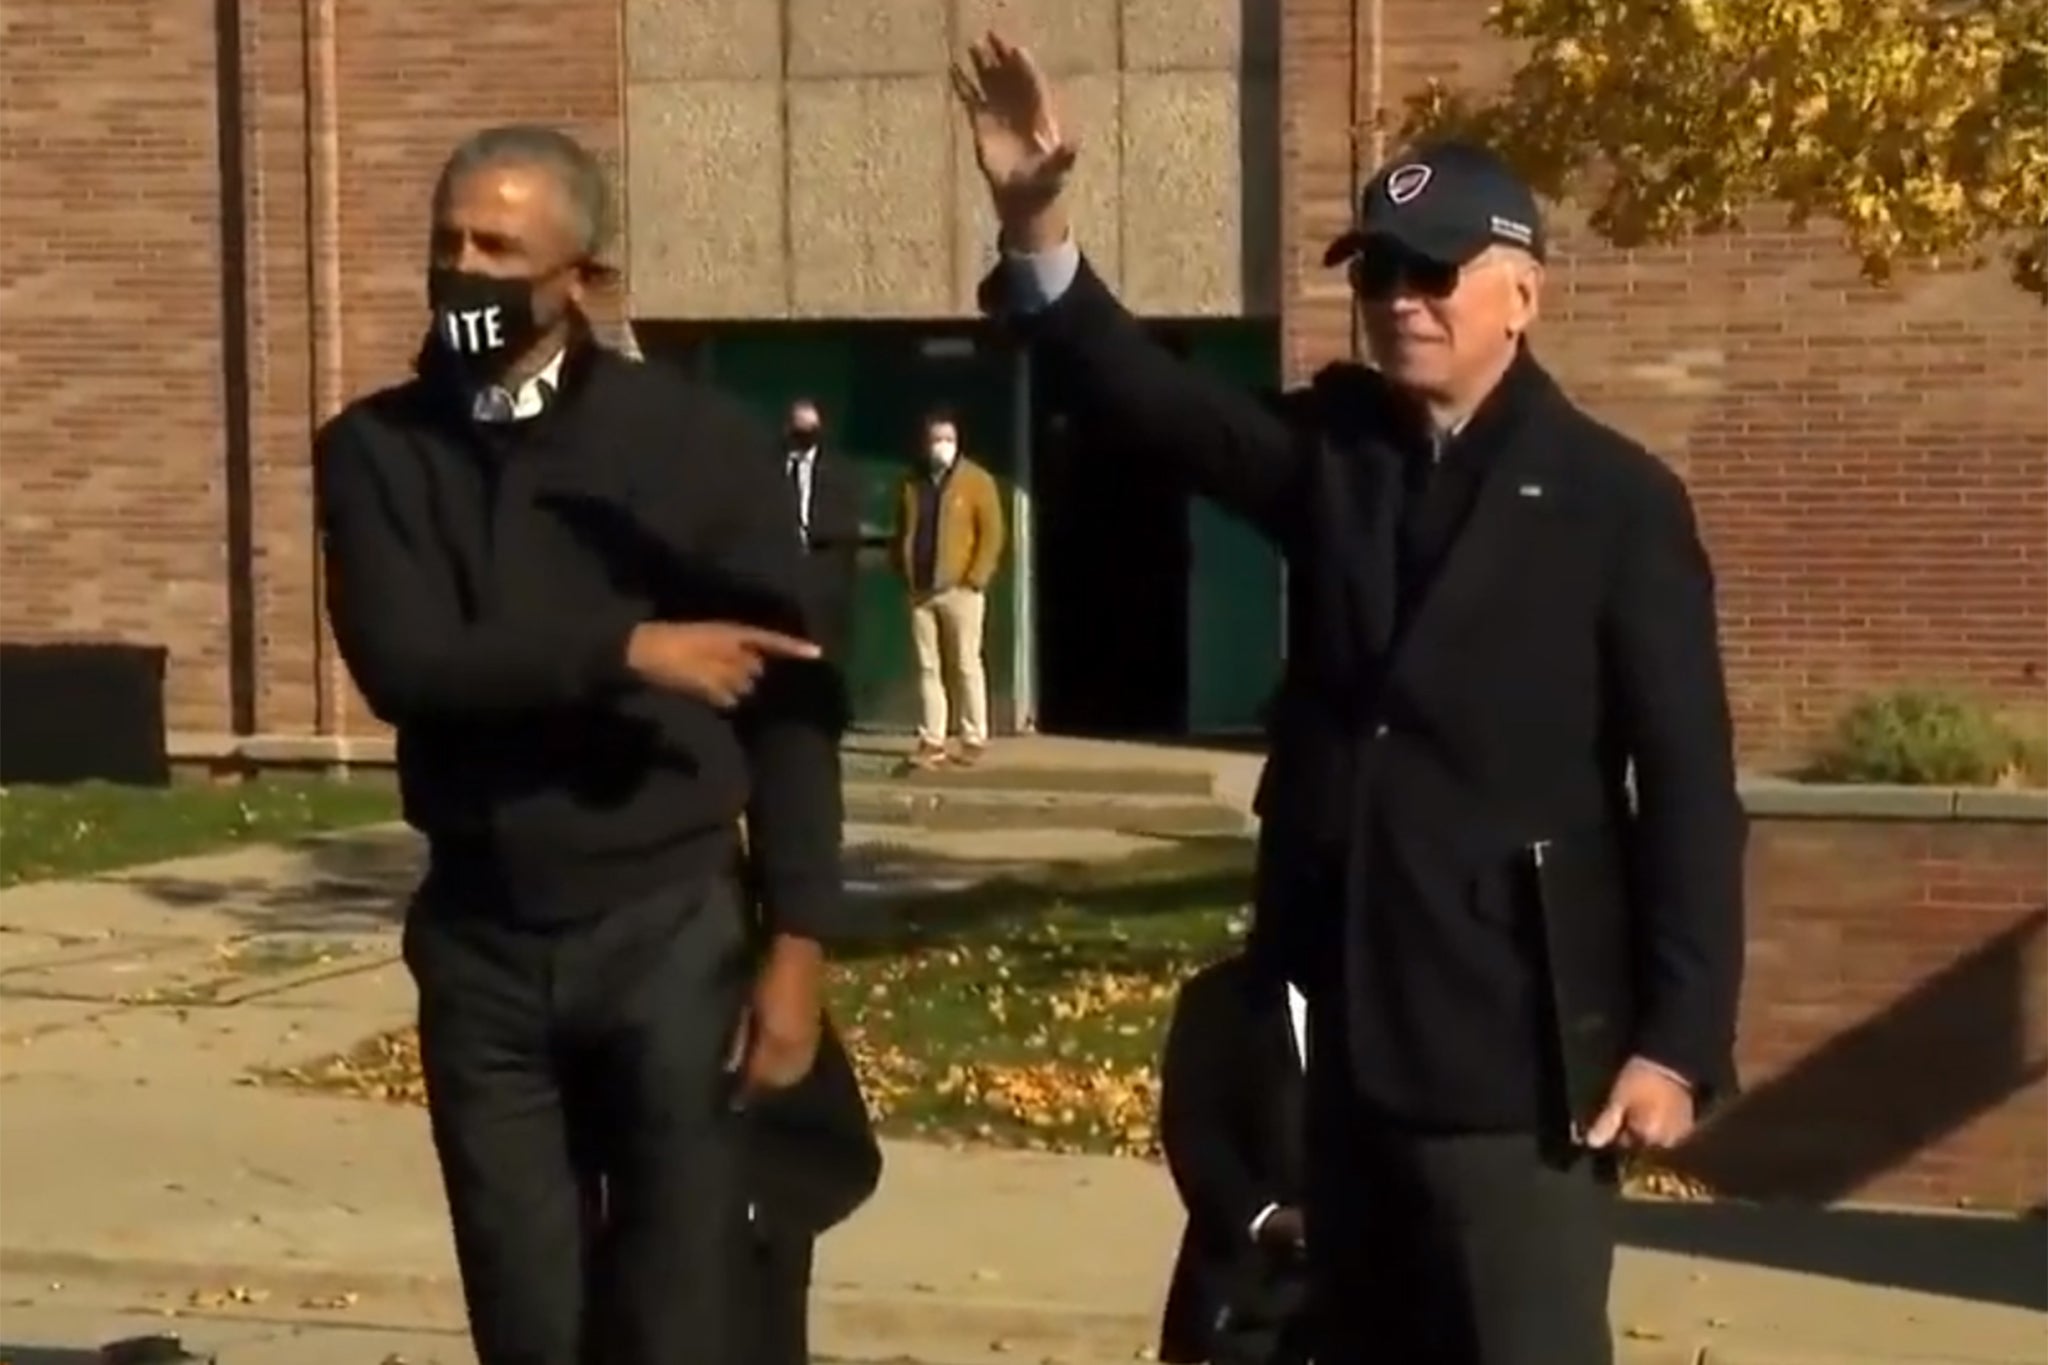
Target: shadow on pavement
(1981,1259)
(904,899)
(48,1355)
(344,883)
(899,895)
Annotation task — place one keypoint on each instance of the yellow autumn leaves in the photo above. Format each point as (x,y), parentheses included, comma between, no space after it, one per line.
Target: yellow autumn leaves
(1053,1103)
(1023,1043)
(1919,126)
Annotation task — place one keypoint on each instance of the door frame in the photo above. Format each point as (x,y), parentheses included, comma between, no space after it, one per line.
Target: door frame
(1023,565)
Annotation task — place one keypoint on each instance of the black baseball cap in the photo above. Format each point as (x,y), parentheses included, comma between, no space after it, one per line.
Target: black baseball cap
(1447,202)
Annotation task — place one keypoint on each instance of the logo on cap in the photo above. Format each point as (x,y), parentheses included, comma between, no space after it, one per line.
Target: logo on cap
(1405,184)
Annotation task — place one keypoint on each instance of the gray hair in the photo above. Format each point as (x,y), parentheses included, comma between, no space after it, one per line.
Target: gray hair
(579,173)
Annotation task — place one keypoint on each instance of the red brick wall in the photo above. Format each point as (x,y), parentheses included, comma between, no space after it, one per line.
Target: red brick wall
(112,517)
(1894,1039)
(116,433)
(1871,466)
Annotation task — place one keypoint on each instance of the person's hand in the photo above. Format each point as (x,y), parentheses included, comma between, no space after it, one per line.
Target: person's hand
(1017,140)
(1284,1230)
(777,1042)
(1648,1107)
(714,661)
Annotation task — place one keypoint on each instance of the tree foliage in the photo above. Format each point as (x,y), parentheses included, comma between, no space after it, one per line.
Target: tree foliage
(1920,126)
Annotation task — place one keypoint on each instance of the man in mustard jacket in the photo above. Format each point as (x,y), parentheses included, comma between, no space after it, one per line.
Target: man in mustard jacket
(949,542)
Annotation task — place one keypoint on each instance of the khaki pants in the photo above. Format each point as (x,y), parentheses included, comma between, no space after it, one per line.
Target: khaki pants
(946,628)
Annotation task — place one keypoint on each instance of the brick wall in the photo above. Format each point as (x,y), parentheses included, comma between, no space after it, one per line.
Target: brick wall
(137,382)
(112,515)
(1871,466)
(1895,1020)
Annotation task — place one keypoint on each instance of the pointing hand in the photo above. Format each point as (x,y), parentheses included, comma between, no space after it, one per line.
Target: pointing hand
(718,662)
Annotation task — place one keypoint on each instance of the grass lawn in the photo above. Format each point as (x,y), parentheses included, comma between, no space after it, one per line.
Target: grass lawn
(1033,1014)
(1026,1013)
(75,831)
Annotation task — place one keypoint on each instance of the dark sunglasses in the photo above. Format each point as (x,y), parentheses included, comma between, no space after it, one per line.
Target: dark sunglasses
(1379,275)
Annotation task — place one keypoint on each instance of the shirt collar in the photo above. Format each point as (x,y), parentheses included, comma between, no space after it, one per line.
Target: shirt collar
(496,403)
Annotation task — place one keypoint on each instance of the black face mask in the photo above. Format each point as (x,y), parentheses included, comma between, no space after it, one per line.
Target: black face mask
(481,322)
(802,438)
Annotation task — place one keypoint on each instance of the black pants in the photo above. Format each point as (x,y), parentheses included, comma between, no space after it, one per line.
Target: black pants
(778,1301)
(1453,1249)
(558,1060)
(771,1318)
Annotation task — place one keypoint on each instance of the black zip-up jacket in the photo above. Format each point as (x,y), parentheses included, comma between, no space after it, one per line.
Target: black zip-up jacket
(483,582)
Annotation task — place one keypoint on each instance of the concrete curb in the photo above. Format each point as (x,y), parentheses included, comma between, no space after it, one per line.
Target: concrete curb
(849,1325)
(847,1321)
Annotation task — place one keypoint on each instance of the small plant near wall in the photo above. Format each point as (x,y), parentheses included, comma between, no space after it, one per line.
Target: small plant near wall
(1931,737)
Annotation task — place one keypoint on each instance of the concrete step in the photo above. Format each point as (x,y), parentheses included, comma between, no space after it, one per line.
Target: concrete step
(954,805)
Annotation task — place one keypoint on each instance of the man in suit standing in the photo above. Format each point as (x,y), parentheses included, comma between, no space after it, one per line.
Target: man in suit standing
(1230,1118)
(828,508)
(1501,845)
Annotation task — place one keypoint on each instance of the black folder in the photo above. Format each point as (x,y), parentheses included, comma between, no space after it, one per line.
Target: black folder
(1580,886)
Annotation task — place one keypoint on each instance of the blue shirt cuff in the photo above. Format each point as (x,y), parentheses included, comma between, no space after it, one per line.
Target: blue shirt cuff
(1039,280)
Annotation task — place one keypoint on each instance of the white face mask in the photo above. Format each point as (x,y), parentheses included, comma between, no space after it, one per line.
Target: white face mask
(943,452)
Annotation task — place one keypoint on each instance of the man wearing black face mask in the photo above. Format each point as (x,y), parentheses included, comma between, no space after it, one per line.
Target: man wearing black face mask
(1500,843)
(573,584)
(828,511)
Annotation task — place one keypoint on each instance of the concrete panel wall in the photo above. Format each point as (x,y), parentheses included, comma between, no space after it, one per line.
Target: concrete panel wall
(870,197)
(706,218)
(803,158)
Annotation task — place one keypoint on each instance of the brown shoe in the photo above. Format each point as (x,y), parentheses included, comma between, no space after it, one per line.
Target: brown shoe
(971,754)
(927,758)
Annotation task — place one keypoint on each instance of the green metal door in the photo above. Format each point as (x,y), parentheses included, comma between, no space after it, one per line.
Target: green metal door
(875,382)
(1235,588)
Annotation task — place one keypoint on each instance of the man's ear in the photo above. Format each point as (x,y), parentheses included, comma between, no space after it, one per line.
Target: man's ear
(1528,287)
(592,277)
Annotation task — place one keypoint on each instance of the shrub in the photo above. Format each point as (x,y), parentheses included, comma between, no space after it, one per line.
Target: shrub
(1926,737)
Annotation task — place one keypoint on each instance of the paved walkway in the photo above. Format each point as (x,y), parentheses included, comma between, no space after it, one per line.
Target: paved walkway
(138,1172)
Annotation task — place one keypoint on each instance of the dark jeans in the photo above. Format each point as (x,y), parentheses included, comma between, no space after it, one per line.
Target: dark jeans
(1453,1249)
(559,1060)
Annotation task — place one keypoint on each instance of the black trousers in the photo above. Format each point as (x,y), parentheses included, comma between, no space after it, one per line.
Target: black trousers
(1452,1249)
(559,1061)
(771,1318)
(778,1302)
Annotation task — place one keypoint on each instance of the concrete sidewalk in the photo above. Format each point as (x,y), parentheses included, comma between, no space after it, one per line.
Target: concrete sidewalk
(138,1170)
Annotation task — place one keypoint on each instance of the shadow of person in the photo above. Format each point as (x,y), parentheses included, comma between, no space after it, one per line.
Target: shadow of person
(1980,1259)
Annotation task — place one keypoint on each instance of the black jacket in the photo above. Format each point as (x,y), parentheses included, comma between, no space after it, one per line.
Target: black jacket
(1231,1121)
(832,549)
(482,582)
(1566,641)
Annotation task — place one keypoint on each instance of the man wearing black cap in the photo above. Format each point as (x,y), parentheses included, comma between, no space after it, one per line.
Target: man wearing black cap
(1501,847)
